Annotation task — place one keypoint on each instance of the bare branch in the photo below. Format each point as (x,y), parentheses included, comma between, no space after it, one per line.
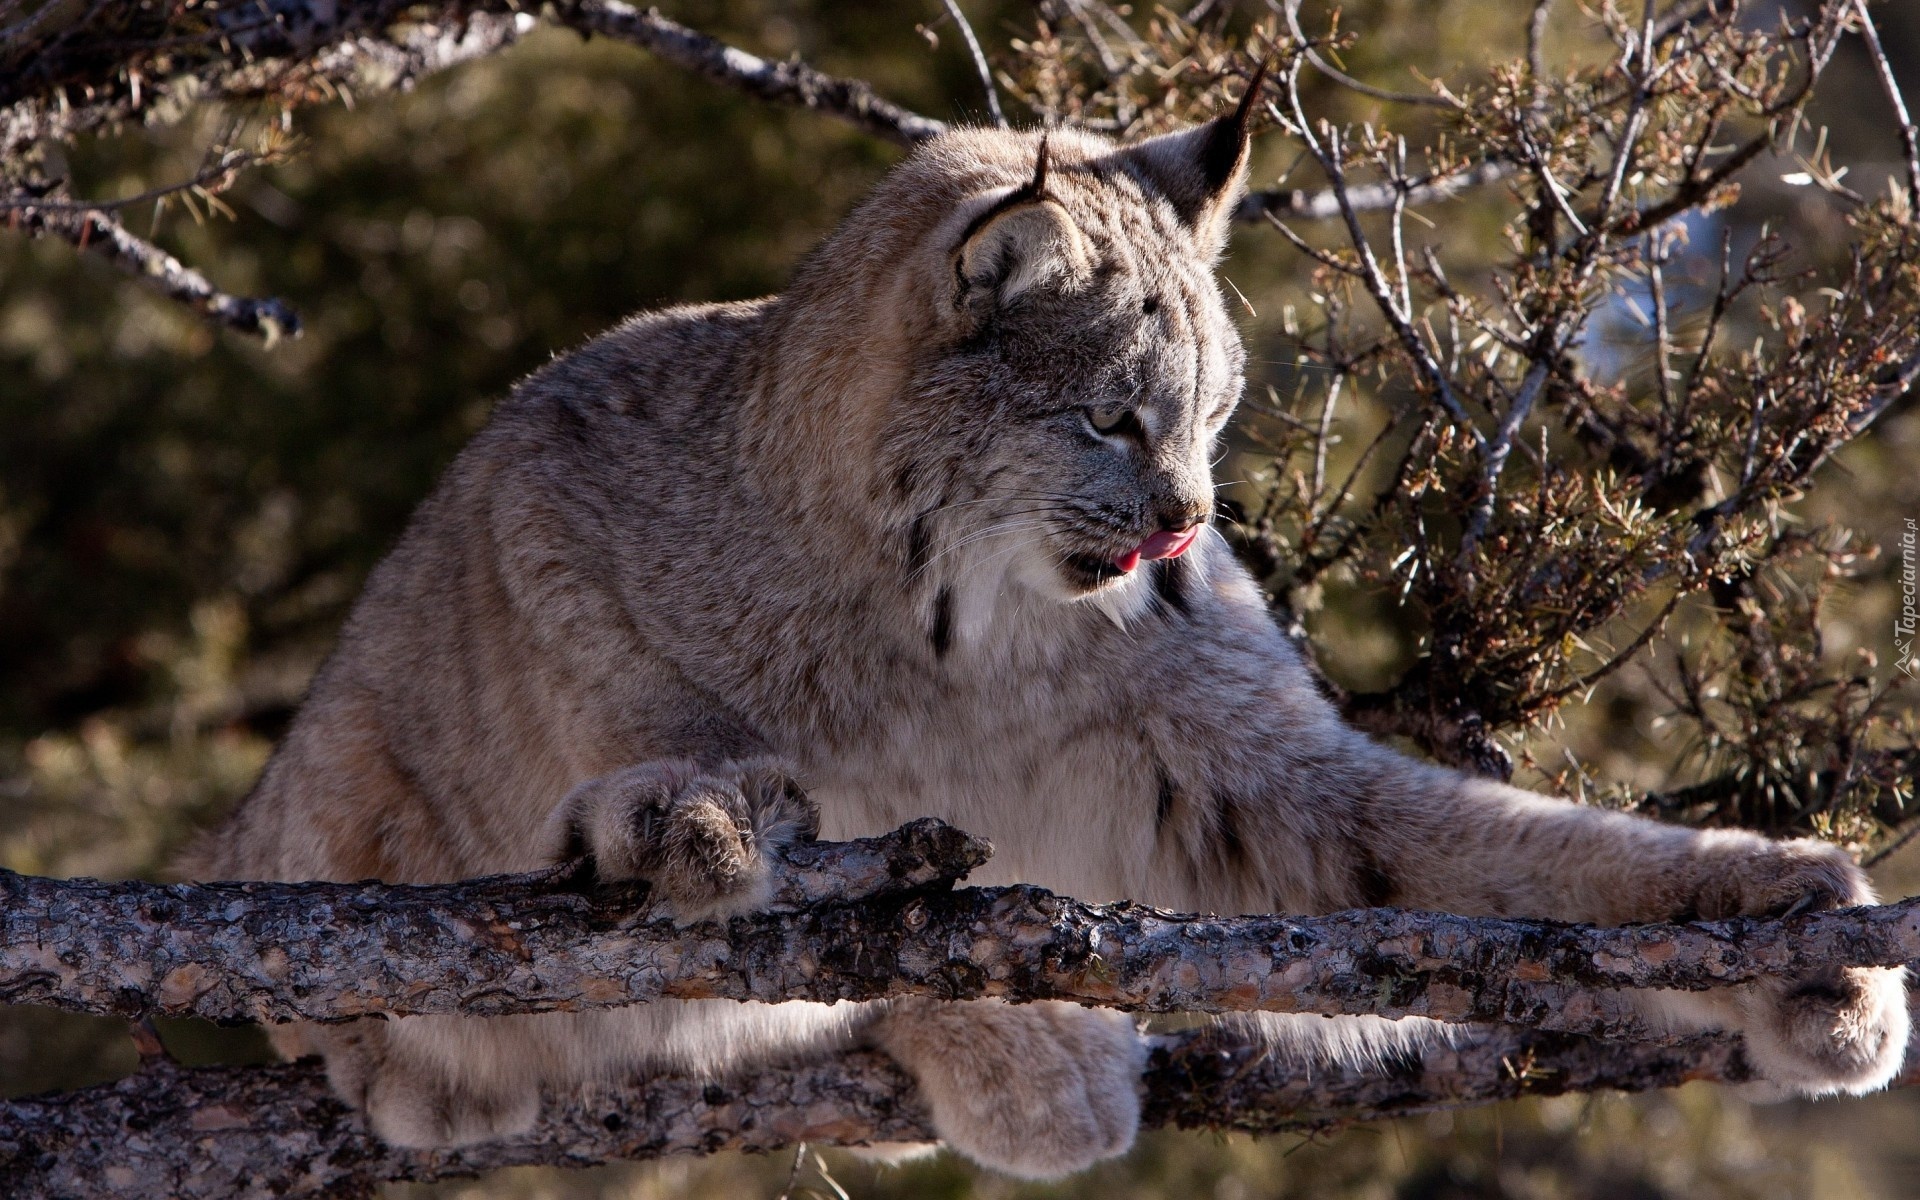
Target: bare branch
(215,175)
(151,62)
(78,74)
(1823,38)
(1290,9)
(1494,459)
(1909,134)
(1373,197)
(101,234)
(277,951)
(99,70)
(227,1133)
(1537,38)
(790,82)
(979,62)
(1327,152)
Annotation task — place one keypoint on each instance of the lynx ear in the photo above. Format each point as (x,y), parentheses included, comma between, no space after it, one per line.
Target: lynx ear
(1024,238)
(1201,171)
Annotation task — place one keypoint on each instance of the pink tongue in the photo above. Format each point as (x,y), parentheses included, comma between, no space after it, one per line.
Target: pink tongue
(1161,545)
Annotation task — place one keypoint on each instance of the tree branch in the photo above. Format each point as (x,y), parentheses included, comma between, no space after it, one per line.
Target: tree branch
(1326,150)
(548,942)
(1909,132)
(229,1133)
(105,64)
(101,234)
(852,920)
(791,82)
(73,73)
(1374,197)
(111,65)
(1290,9)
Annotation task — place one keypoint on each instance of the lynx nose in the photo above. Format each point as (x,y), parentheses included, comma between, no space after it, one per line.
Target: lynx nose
(1183,515)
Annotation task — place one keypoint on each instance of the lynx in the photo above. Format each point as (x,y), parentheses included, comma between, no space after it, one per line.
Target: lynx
(925,534)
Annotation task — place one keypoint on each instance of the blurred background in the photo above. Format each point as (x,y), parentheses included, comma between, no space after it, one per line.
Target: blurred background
(185,514)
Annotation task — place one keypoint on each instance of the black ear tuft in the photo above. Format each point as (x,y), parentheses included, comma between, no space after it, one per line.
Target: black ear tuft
(1037,187)
(1022,239)
(1200,171)
(1228,137)
(1030,192)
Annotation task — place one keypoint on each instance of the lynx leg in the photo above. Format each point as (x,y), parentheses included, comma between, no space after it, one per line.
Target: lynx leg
(1034,1090)
(701,835)
(1838,1030)
(413,1099)
(1510,852)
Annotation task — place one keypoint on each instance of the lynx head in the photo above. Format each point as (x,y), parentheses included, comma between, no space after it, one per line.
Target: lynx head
(1066,362)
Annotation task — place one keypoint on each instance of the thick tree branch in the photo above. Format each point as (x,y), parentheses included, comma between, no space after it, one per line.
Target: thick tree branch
(855,919)
(276,952)
(227,1133)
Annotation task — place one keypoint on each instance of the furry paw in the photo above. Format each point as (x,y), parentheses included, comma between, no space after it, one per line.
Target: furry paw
(419,1112)
(1036,1091)
(1746,876)
(1840,1030)
(700,836)
(411,1103)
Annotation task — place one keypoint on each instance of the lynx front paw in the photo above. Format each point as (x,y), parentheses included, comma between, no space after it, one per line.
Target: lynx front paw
(701,836)
(1836,1030)
(1743,875)
(1034,1090)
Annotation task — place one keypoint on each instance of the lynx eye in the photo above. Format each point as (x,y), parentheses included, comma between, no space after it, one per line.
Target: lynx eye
(1114,422)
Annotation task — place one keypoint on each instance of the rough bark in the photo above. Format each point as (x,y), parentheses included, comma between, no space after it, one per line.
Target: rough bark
(857,921)
(229,1133)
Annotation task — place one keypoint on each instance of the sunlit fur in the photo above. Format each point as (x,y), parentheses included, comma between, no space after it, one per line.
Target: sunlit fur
(856,529)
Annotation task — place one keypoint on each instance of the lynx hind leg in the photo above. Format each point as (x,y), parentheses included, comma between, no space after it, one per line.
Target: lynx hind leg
(1835,1030)
(1036,1091)
(412,1100)
(702,836)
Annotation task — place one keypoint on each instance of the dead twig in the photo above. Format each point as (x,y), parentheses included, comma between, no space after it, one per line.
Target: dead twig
(100,234)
